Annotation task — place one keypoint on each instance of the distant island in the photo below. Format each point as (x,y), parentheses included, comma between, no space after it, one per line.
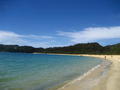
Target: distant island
(82,48)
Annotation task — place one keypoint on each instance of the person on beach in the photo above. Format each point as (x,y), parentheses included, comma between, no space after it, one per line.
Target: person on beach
(105,57)
(111,56)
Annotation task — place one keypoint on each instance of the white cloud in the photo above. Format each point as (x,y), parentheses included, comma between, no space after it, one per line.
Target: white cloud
(7,37)
(92,34)
(36,36)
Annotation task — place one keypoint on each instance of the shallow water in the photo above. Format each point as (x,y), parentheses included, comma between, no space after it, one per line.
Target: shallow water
(21,71)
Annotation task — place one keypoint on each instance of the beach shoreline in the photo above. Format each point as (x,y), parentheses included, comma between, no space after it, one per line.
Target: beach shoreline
(108,81)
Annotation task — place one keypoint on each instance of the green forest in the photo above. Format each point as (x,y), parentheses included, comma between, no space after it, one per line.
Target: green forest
(81,48)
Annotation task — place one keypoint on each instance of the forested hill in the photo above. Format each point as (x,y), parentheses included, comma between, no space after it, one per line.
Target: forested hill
(85,48)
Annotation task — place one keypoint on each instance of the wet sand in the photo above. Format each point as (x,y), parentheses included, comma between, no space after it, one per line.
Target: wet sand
(112,80)
(99,78)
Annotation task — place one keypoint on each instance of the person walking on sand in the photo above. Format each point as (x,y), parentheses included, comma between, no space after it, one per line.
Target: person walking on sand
(111,56)
(105,57)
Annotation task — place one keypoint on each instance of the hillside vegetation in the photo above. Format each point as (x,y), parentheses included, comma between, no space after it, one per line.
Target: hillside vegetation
(83,48)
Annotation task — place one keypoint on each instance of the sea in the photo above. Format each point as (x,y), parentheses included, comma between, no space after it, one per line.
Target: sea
(25,71)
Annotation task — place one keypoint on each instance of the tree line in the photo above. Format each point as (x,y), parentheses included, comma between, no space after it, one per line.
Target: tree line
(82,48)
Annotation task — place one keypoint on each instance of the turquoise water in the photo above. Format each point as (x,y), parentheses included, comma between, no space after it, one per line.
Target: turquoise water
(21,71)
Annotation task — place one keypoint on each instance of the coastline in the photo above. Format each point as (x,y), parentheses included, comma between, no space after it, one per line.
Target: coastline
(112,80)
(109,81)
(102,77)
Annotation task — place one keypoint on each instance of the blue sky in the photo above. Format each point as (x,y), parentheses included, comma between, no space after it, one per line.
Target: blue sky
(47,23)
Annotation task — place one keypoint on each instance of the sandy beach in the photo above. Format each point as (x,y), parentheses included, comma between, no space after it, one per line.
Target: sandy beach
(99,78)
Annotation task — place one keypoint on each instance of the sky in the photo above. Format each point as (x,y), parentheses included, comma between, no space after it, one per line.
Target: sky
(53,23)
